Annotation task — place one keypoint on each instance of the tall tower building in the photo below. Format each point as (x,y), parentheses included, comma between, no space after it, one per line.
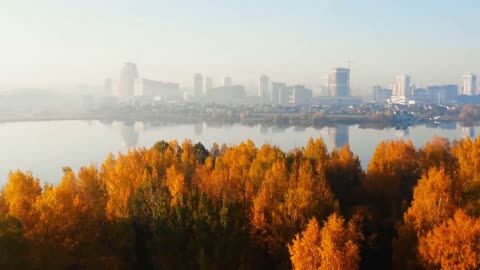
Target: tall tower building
(324,89)
(108,87)
(208,84)
(227,81)
(469,84)
(264,89)
(402,86)
(276,89)
(339,82)
(197,85)
(128,74)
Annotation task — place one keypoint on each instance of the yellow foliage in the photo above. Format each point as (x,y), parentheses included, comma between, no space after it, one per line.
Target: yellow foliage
(334,246)
(453,244)
(175,180)
(433,201)
(20,193)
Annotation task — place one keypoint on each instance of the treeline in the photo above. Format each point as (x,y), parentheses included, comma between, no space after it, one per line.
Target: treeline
(242,207)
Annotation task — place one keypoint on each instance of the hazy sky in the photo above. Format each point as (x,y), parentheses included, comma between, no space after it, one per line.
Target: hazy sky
(62,43)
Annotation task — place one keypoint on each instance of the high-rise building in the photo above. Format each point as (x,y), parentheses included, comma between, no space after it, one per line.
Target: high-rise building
(234,94)
(339,82)
(284,96)
(264,89)
(293,95)
(197,85)
(299,95)
(152,89)
(115,88)
(469,84)
(402,86)
(441,94)
(380,94)
(227,81)
(128,74)
(276,88)
(108,87)
(324,89)
(208,84)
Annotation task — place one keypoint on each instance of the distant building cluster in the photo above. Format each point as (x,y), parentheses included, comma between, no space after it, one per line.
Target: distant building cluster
(334,90)
(130,88)
(268,92)
(403,92)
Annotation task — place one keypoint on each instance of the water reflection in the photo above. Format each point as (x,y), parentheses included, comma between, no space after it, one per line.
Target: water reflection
(129,132)
(263,129)
(91,141)
(198,128)
(402,131)
(448,125)
(338,135)
(468,132)
(278,129)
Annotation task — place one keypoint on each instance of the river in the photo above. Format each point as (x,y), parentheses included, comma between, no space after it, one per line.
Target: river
(44,147)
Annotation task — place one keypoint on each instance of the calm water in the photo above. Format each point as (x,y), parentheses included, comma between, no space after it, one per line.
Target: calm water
(45,147)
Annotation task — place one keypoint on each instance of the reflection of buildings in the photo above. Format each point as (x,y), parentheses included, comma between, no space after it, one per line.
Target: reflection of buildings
(468,132)
(198,128)
(338,135)
(402,131)
(278,129)
(263,129)
(129,132)
(448,125)
(299,128)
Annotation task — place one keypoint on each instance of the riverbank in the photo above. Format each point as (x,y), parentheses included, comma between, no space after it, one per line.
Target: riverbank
(297,119)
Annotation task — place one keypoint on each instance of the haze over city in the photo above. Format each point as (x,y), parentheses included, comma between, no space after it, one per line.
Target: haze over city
(326,134)
(62,44)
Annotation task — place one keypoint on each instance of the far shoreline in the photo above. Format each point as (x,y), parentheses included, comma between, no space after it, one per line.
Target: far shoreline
(271,119)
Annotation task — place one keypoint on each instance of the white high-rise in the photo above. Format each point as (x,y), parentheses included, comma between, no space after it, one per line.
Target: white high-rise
(208,84)
(227,81)
(469,84)
(339,82)
(128,74)
(402,86)
(264,89)
(197,85)
(276,90)
(107,87)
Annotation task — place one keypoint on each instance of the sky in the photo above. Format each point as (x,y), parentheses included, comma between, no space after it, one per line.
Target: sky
(66,43)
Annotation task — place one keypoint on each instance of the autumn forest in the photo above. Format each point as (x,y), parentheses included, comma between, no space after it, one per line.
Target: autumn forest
(182,206)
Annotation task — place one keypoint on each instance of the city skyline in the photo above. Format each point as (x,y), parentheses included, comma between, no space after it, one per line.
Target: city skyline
(242,40)
(334,84)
